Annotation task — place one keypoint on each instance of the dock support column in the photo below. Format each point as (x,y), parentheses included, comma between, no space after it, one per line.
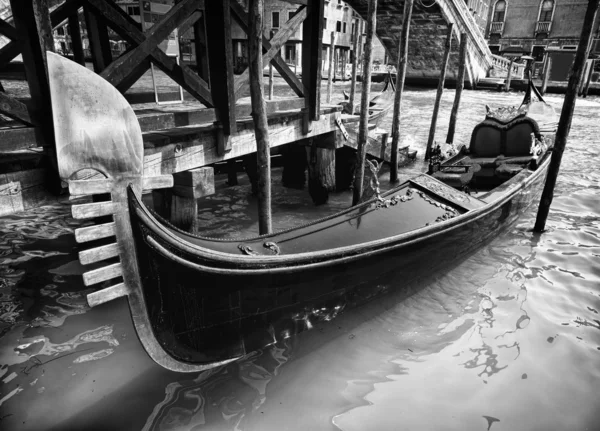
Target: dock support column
(460,84)
(546,75)
(566,115)
(331,71)
(356,58)
(400,77)
(294,166)
(321,172)
(440,92)
(259,114)
(508,74)
(312,29)
(363,128)
(75,32)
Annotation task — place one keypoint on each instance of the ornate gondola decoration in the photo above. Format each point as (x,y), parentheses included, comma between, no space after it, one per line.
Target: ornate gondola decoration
(200,302)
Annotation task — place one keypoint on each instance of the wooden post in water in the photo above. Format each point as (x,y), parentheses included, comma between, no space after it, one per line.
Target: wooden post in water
(546,75)
(355,45)
(331,67)
(566,115)
(400,77)
(259,114)
(440,92)
(271,74)
(508,75)
(344,53)
(589,79)
(363,128)
(460,84)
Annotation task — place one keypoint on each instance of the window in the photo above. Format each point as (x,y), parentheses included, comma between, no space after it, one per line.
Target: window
(344,28)
(133,10)
(538,53)
(324,23)
(499,11)
(60,31)
(291,15)
(338,26)
(546,11)
(275,20)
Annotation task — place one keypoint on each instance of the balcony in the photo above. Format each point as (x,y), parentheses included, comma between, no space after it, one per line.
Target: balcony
(497,27)
(543,27)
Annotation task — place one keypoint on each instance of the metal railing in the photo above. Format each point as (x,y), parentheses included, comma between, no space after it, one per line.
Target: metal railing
(497,27)
(543,27)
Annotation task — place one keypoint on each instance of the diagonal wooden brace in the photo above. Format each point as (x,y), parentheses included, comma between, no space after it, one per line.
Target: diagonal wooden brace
(272,49)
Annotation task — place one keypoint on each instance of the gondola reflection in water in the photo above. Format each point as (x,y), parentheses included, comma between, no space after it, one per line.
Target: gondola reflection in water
(200,302)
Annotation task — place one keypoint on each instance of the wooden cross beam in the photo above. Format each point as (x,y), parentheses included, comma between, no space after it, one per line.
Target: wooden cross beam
(14,109)
(127,28)
(8,30)
(272,49)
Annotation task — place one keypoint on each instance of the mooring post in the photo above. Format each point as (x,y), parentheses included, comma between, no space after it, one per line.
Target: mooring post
(589,79)
(460,84)
(271,74)
(259,114)
(344,52)
(566,115)
(440,92)
(508,74)
(331,67)
(400,77)
(363,128)
(356,59)
(546,75)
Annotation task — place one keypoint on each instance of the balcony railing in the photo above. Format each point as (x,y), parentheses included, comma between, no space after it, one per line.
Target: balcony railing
(497,27)
(543,27)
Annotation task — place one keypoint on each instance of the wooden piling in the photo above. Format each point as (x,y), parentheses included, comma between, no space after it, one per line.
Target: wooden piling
(566,115)
(331,68)
(546,75)
(582,81)
(232,179)
(75,33)
(259,114)
(400,77)
(363,128)
(355,44)
(508,75)
(344,54)
(589,79)
(440,92)
(460,84)
(271,74)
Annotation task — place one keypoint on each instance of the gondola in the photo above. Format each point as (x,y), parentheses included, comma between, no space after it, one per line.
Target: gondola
(200,302)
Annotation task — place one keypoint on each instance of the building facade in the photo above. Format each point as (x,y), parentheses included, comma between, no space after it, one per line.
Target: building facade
(537,27)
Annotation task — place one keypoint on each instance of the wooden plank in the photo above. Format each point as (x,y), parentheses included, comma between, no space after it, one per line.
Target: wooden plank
(330,67)
(8,30)
(107,294)
(21,138)
(273,48)
(200,45)
(75,32)
(220,58)
(97,33)
(312,30)
(91,233)
(90,187)
(194,183)
(102,274)
(96,209)
(14,109)
(202,151)
(98,254)
(158,182)
(63,11)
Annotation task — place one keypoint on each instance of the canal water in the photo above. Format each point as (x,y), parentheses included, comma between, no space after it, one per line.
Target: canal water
(507,339)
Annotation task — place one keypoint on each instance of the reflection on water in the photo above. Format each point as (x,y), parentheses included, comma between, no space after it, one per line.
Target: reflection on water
(508,339)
